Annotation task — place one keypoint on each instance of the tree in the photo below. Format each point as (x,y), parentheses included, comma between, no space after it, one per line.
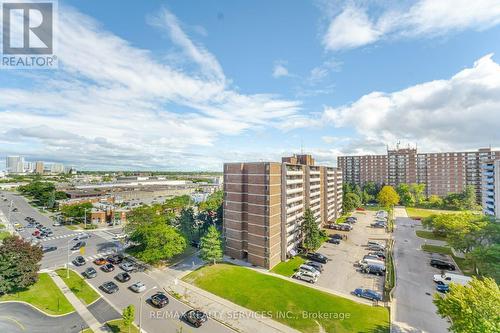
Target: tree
(418,192)
(435,201)
(469,198)
(473,308)
(157,241)
(146,215)
(187,223)
(19,264)
(211,246)
(310,230)
(350,202)
(76,211)
(406,196)
(371,188)
(388,197)
(128,316)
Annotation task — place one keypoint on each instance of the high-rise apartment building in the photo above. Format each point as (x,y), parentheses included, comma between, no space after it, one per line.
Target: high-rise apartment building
(443,173)
(15,164)
(57,168)
(39,167)
(491,187)
(264,204)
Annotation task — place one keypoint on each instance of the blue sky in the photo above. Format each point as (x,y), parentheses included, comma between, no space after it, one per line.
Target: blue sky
(188,85)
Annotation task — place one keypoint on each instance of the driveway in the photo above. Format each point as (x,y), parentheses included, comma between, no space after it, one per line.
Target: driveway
(413,308)
(341,273)
(22,318)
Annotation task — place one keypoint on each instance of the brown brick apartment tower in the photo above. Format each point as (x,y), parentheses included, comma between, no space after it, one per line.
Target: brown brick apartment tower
(264,203)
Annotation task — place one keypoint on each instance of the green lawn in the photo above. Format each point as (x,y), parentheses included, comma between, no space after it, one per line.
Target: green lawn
(295,305)
(4,234)
(87,330)
(374,208)
(461,262)
(44,295)
(422,213)
(287,268)
(117,326)
(78,286)
(429,235)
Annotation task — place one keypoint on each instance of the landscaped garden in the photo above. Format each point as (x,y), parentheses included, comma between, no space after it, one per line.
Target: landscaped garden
(44,295)
(295,305)
(78,286)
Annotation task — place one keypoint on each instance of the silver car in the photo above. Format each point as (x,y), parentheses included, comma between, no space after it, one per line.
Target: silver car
(138,287)
(305,276)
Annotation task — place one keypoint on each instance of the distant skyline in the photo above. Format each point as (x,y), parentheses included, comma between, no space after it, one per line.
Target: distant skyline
(185,85)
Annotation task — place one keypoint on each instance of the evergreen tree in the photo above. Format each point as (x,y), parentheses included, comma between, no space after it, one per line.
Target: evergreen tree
(310,231)
(211,246)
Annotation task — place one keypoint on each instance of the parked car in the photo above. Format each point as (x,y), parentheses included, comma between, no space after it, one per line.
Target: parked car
(317,265)
(100,261)
(336,236)
(373,257)
(345,226)
(335,241)
(48,233)
(108,268)
(49,248)
(78,246)
(372,242)
(448,278)
(305,276)
(109,287)
(378,262)
(379,254)
(368,294)
(376,248)
(318,257)
(82,236)
(378,225)
(127,266)
(195,317)
(123,277)
(115,259)
(441,264)
(309,269)
(373,269)
(138,287)
(35,233)
(90,273)
(443,288)
(159,300)
(79,261)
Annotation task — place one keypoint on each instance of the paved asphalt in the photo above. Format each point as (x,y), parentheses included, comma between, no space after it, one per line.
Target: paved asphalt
(103,312)
(22,318)
(100,243)
(414,310)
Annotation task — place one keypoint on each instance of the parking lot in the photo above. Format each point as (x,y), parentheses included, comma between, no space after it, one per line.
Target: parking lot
(342,273)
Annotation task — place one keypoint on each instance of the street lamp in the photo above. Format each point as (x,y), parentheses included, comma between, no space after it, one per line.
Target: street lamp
(140,307)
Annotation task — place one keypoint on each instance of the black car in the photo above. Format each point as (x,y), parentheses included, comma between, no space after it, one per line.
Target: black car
(78,246)
(79,261)
(335,241)
(90,273)
(336,236)
(318,257)
(109,287)
(442,264)
(195,317)
(123,277)
(374,269)
(46,249)
(159,300)
(115,259)
(108,268)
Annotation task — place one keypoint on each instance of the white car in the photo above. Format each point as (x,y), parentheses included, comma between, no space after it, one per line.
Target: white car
(448,278)
(371,243)
(138,287)
(309,269)
(81,236)
(119,236)
(305,276)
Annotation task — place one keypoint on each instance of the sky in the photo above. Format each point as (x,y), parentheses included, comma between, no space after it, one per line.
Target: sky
(189,85)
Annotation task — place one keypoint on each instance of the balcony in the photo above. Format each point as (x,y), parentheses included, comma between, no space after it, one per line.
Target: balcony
(294,172)
(293,200)
(294,209)
(313,202)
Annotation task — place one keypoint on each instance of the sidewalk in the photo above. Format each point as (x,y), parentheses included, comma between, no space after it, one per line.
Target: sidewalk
(80,308)
(232,315)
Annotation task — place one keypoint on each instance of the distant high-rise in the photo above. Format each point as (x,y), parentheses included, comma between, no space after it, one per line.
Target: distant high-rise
(39,167)
(57,168)
(491,187)
(15,164)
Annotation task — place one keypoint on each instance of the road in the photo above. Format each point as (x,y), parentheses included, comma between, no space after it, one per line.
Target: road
(100,244)
(414,311)
(22,318)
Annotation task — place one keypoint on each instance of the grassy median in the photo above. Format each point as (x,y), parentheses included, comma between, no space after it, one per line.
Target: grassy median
(78,286)
(44,295)
(117,326)
(288,268)
(295,305)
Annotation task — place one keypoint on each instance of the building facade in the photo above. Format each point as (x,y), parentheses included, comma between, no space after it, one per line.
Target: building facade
(490,181)
(15,164)
(443,173)
(264,203)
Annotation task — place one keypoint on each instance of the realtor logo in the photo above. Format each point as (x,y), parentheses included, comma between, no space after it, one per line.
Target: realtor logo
(28,34)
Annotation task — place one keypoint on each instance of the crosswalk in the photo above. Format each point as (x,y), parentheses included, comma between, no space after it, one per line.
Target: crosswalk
(48,239)
(98,255)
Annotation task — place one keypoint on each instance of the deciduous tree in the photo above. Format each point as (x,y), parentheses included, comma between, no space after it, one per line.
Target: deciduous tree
(388,197)
(128,316)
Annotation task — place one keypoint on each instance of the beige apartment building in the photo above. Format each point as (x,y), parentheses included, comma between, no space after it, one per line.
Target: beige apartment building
(443,173)
(264,203)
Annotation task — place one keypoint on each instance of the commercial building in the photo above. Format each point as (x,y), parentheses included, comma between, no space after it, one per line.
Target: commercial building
(491,187)
(443,173)
(15,164)
(264,205)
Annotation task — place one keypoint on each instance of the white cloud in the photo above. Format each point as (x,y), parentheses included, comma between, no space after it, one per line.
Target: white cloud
(352,27)
(459,113)
(113,104)
(279,69)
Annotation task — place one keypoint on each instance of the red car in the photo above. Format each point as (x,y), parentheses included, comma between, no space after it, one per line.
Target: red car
(100,261)
(35,233)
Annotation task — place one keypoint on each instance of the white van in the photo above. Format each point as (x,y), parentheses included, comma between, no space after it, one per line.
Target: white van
(363,262)
(309,269)
(448,278)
